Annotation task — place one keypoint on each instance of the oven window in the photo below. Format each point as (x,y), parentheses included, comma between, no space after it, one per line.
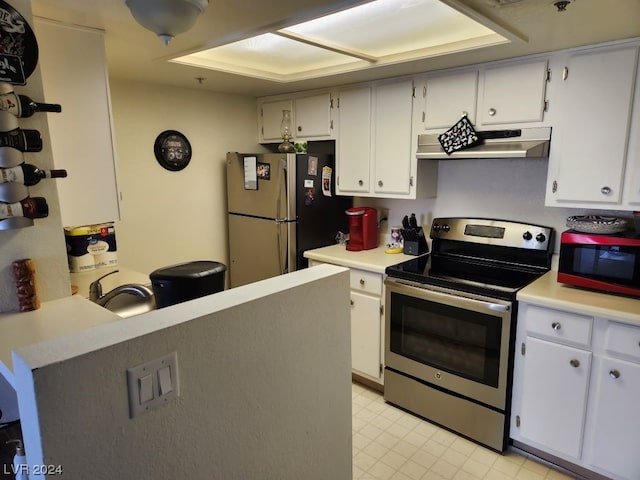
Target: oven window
(604,261)
(455,340)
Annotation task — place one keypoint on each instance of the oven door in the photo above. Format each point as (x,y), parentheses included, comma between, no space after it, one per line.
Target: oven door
(449,340)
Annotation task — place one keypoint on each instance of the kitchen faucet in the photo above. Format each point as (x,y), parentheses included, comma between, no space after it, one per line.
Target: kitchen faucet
(96,296)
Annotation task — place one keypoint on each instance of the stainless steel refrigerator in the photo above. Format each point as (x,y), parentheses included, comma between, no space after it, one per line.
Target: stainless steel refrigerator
(279,206)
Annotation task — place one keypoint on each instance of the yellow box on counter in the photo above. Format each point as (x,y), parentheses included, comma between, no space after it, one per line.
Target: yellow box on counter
(91,246)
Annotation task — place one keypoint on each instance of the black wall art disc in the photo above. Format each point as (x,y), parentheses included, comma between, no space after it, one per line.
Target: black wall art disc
(172,150)
(18,46)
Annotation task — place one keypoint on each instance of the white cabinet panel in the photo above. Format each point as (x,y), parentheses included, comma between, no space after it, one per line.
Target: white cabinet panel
(74,74)
(270,113)
(554,397)
(594,127)
(365,334)
(616,433)
(392,155)
(513,93)
(449,97)
(353,146)
(313,116)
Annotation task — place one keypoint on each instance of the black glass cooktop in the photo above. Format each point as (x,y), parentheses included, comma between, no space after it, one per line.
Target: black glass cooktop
(482,277)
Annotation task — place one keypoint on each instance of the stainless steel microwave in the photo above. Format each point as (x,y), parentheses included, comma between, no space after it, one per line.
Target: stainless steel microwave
(610,263)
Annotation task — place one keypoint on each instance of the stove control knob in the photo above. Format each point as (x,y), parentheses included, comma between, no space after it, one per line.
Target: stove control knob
(436,227)
(527,236)
(446,228)
(540,237)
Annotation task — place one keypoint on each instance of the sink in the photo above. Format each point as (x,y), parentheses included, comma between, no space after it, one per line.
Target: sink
(127,305)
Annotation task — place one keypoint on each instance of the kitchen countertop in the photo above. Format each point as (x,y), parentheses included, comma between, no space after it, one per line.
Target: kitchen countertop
(374,260)
(547,292)
(61,317)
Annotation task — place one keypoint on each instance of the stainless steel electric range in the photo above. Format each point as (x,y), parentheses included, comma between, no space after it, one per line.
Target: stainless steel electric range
(450,323)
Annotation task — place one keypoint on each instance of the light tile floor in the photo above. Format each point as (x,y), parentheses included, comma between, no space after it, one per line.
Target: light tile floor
(390,444)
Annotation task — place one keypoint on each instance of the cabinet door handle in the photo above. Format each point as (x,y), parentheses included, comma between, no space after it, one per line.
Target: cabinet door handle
(362,282)
(492,112)
(379,183)
(614,374)
(574,363)
(360,182)
(299,128)
(605,190)
(351,302)
(556,326)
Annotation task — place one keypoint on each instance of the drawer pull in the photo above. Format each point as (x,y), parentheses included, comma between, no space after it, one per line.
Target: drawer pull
(614,374)
(574,363)
(492,112)
(556,325)
(352,303)
(362,282)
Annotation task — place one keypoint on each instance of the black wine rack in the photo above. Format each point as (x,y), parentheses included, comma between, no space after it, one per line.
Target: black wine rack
(11,192)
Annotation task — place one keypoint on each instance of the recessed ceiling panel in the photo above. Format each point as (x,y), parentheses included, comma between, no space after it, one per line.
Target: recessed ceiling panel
(389,27)
(376,33)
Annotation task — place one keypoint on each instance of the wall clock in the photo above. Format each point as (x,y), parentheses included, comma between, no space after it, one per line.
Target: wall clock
(172,150)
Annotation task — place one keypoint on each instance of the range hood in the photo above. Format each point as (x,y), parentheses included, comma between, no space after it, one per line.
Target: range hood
(528,143)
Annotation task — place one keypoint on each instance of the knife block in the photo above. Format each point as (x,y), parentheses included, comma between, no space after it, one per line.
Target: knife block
(415,243)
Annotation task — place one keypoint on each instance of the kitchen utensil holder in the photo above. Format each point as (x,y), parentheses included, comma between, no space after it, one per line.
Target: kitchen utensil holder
(415,243)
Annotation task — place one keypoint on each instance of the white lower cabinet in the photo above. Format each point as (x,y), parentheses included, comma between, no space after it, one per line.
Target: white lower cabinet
(367,323)
(576,388)
(554,397)
(615,437)
(365,334)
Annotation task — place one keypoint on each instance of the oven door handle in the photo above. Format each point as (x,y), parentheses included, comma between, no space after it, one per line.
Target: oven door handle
(407,287)
(499,308)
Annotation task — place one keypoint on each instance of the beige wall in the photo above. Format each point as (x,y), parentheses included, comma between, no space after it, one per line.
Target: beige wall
(44,241)
(173,217)
(264,388)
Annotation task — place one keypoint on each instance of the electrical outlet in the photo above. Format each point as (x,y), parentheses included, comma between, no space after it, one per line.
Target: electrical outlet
(152,384)
(383,213)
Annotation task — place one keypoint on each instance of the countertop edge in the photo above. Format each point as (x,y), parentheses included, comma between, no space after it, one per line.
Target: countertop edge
(547,292)
(374,260)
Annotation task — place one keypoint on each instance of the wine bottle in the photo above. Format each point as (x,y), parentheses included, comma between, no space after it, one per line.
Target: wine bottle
(22,105)
(28,174)
(30,207)
(24,140)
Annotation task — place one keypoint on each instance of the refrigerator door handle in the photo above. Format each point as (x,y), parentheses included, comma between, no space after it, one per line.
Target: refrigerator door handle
(282,177)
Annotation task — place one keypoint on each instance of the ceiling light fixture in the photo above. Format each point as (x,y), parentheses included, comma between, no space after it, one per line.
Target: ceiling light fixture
(166,18)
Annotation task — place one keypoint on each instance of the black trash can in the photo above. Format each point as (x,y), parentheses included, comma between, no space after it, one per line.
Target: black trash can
(186,281)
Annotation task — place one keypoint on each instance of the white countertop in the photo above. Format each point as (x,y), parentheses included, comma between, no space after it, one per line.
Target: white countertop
(374,260)
(53,319)
(61,317)
(547,292)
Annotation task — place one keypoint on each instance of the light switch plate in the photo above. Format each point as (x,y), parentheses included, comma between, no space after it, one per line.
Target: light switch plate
(152,384)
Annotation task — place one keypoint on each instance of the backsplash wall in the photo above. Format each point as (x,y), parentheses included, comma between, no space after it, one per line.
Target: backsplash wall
(506,189)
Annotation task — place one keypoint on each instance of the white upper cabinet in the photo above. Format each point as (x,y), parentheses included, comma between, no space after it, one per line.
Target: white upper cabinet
(589,150)
(449,97)
(375,144)
(74,74)
(313,116)
(490,95)
(270,119)
(392,155)
(631,189)
(353,146)
(310,117)
(513,93)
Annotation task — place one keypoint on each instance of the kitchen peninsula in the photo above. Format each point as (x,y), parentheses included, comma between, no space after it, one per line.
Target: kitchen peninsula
(262,369)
